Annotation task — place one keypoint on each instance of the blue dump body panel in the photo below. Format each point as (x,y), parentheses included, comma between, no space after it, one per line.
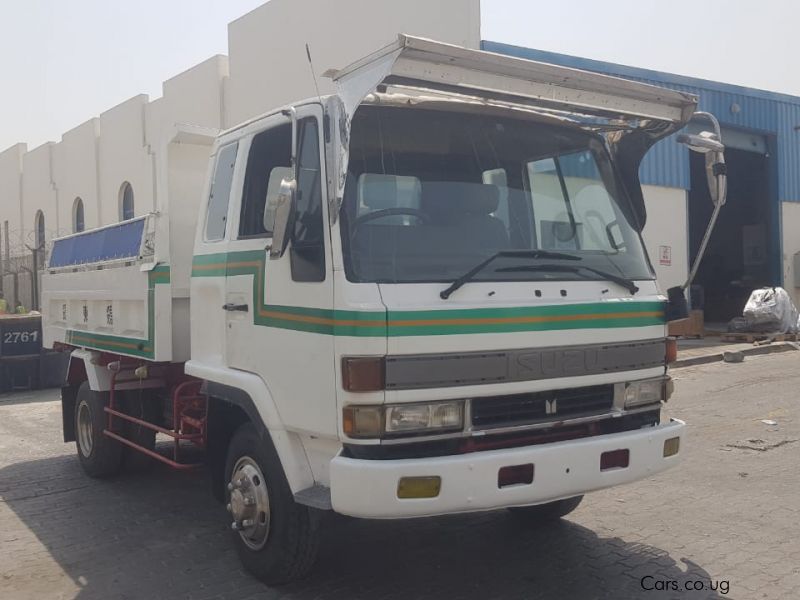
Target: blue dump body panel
(117,242)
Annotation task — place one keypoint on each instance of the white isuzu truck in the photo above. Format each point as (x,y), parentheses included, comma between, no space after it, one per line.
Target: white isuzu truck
(425,294)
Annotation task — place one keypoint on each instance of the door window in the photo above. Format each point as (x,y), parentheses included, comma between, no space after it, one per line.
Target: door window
(308,241)
(217,216)
(271,149)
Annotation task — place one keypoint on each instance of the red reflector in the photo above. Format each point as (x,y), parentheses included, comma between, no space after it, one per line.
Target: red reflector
(671,350)
(615,459)
(515,475)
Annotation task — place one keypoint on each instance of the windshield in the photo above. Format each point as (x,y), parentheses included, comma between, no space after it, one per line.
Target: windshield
(430,194)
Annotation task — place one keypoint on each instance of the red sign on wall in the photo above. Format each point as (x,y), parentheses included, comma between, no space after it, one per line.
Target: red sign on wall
(665,255)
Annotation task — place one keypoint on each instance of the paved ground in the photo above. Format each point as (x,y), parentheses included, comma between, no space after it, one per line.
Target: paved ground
(730,514)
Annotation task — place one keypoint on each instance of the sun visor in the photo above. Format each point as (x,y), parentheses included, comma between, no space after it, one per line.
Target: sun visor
(421,64)
(427,64)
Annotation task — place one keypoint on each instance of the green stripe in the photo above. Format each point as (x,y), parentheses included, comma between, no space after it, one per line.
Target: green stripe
(596,315)
(145,348)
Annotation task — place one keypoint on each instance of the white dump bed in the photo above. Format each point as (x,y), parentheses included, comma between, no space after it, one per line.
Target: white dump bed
(105,290)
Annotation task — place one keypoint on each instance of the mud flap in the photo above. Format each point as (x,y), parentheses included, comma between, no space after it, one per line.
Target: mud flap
(68,395)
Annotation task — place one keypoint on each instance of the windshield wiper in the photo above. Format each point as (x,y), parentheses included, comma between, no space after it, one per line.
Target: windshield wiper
(446,293)
(624,282)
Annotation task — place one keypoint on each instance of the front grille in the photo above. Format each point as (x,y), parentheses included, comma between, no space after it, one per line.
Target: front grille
(556,405)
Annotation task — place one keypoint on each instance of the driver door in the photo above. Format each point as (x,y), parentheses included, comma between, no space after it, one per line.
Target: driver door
(283,335)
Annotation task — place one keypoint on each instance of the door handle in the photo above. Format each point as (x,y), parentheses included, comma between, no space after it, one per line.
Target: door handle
(230,306)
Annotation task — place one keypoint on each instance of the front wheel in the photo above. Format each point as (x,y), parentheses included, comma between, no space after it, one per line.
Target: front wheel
(276,538)
(100,456)
(550,511)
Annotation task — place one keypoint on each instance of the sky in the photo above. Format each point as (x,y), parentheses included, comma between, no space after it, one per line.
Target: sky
(65,61)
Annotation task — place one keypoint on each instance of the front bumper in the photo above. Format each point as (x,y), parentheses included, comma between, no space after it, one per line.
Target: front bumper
(368,488)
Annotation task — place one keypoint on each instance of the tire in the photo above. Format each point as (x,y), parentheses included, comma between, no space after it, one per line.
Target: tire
(99,455)
(543,513)
(280,543)
(142,405)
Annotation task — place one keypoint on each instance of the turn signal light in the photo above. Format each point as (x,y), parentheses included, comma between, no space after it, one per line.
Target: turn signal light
(419,487)
(672,446)
(615,459)
(363,373)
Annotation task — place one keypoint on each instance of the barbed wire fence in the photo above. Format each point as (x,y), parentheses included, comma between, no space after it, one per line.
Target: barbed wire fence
(22,262)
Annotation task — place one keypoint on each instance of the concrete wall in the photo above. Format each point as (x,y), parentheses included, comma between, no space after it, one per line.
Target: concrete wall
(75,175)
(94,160)
(124,156)
(11,186)
(790,219)
(667,227)
(194,97)
(38,193)
(268,63)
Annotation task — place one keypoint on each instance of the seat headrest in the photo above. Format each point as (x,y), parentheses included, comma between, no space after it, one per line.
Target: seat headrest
(377,191)
(459,197)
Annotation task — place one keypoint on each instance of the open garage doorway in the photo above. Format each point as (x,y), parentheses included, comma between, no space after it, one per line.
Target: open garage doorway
(743,253)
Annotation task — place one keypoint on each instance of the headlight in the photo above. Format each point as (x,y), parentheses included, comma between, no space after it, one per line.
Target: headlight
(399,419)
(422,417)
(649,391)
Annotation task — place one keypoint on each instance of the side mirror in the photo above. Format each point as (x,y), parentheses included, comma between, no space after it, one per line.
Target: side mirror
(711,145)
(283,211)
(717,176)
(283,207)
(677,307)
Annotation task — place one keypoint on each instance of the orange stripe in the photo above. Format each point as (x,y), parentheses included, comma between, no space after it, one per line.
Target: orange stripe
(318,320)
(484,321)
(243,264)
(515,320)
(208,267)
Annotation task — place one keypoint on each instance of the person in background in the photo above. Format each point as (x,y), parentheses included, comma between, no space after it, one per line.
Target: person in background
(3,304)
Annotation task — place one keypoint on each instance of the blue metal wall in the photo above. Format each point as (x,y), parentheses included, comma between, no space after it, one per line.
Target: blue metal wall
(667,163)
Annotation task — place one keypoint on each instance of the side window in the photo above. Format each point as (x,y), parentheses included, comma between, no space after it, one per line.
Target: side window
(555,224)
(308,241)
(267,164)
(499,178)
(217,215)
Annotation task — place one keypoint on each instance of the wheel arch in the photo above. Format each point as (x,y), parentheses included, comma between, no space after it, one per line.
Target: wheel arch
(263,414)
(76,375)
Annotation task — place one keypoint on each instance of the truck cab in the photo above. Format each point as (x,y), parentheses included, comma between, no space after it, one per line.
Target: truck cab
(425,294)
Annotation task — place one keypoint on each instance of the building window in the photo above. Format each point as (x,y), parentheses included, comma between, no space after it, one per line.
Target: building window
(78,222)
(39,225)
(125,202)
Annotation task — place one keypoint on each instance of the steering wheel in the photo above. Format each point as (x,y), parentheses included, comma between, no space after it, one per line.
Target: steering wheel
(389,212)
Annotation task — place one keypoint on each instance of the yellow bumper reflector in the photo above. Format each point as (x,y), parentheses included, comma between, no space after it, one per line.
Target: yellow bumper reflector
(671,446)
(419,487)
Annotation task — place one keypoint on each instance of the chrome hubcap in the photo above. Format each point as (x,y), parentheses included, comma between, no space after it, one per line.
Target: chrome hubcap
(85,442)
(249,503)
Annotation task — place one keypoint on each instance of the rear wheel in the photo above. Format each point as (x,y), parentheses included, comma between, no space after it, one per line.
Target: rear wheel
(542,513)
(276,538)
(99,455)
